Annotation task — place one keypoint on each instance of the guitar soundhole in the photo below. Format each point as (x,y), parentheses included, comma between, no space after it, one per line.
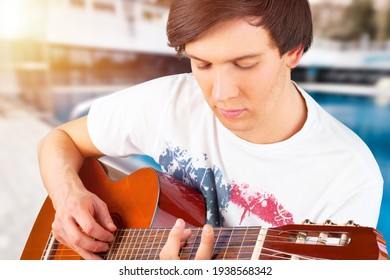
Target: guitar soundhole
(117,220)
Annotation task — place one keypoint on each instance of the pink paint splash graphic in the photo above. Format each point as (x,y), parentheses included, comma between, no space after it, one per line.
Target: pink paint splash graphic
(263,205)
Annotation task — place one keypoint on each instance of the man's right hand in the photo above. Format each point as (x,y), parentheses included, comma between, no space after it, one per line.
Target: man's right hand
(82,223)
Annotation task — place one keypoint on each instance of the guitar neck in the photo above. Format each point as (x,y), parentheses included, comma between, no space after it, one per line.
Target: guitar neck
(146,244)
(245,243)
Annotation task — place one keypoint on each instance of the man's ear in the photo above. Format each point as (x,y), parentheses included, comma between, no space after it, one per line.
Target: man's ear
(294,56)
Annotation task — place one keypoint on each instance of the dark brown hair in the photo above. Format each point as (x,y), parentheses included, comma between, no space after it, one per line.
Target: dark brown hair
(288,22)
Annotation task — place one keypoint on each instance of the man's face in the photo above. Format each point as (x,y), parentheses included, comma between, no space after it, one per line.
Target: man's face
(242,76)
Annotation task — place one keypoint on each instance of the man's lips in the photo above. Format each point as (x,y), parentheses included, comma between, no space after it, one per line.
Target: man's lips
(231,113)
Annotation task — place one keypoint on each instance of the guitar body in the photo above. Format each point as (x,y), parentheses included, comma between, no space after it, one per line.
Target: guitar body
(145,205)
(145,199)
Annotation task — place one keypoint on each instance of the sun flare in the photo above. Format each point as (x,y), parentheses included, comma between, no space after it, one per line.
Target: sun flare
(12,18)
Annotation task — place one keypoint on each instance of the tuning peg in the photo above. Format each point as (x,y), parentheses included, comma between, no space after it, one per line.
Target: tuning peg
(352,223)
(307,222)
(329,222)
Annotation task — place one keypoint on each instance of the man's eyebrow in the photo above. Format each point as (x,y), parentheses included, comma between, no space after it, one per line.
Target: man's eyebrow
(247,56)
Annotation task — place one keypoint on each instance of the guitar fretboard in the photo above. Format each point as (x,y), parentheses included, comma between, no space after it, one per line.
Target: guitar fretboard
(146,244)
(243,243)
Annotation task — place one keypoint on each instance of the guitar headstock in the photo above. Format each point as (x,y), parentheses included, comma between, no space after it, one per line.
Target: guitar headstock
(324,241)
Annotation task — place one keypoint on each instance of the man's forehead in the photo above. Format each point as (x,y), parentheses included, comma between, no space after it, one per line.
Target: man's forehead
(231,40)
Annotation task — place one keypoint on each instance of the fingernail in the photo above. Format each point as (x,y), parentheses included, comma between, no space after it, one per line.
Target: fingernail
(207,230)
(178,223)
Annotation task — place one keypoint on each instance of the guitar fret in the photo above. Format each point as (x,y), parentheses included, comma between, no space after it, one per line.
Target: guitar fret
(145,250)
(235,243)
(162,240)
(146,244)
(188,252)
(242,244)
(122,248)
(227,247)
(119,246)
(133,241)
(126,245)
(220,247)
(198,236)
(138,244)
(249,242)
(216,241)
(130,251)
(259,244)
(152,245)
(118,241)
(112,249)
(153,250)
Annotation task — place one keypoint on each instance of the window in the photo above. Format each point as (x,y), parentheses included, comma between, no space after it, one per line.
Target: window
(77,3)
(104,6)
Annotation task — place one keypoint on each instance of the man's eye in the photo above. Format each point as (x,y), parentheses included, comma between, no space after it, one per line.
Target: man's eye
(245,66)
(204,66)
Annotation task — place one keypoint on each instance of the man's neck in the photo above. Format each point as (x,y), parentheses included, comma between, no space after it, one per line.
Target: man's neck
(286,120)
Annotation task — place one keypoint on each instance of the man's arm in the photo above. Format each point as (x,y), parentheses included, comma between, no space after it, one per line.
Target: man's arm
(82,221)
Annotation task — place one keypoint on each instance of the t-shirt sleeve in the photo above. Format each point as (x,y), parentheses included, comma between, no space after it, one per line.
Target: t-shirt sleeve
(128,122)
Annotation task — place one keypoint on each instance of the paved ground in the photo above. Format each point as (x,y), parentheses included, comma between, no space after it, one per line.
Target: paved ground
(22,192)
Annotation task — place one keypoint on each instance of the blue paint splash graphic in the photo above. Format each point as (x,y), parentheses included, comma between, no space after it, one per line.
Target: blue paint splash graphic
(196,173)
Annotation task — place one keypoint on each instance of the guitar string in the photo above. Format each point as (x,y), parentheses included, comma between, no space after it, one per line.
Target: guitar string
(237,236)
(248,253)
(282,256)
(162,237)
(263,254)
(119,237)
(145,242)
(117,251)
(278,233)
(195,243)
(220,230)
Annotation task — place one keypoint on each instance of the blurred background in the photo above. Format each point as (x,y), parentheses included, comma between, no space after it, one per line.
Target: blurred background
(58,55)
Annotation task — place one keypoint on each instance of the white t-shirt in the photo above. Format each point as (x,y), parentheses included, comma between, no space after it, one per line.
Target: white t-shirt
(324,171)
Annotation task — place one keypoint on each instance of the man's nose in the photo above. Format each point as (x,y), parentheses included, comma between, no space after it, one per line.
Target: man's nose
(224,87)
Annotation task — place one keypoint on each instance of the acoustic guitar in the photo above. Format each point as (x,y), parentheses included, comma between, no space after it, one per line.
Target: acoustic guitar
(146,203)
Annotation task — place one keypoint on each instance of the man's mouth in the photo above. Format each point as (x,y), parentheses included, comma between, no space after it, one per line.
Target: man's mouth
(231,113)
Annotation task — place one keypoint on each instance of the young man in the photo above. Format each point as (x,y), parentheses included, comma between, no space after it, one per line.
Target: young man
(258,147)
